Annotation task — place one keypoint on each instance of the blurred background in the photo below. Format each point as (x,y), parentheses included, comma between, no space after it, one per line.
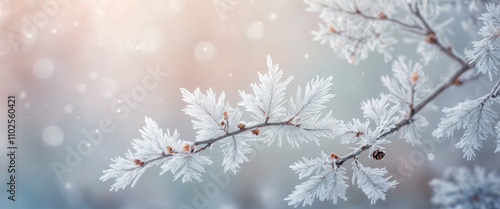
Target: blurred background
(73,64)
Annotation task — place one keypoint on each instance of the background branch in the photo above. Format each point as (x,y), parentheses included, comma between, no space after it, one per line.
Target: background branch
(451,80)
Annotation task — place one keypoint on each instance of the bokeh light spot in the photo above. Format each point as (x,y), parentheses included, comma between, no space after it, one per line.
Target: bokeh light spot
(82,88)
(204,51)
(93,75)
(68,108)
(255,31)
(43,68)
(52,136)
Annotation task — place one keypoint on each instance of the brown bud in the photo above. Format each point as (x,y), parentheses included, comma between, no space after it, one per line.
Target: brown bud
(169,149)
(381,15)
(414,77)
(359,133)
(241,125)
(225,114)
(352,59)
(332,29)
(222,122)
(185,147)
(138,162)
(431,38)
(334,156)
(256,132)
(457,82)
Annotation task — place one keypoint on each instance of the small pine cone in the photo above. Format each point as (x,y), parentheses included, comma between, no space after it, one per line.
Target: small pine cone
(378,154)
(256,132)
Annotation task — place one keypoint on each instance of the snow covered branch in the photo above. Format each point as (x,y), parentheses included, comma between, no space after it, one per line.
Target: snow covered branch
(353,29)
(486,51)
(476,117)
(326,183)
(372,181)
(216,121)
(461,188)
(450,81)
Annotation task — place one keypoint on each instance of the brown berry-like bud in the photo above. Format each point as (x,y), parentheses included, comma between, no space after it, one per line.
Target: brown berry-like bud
(241,125)
(185,147)
(431,38)
(457,82)
(222,122)
(359,133)
(352,59)
(256,132)
(332,29)
(378,154)
(138,162)
(334,156)
(381,15)
(414,77)
(225,114)
(169,149)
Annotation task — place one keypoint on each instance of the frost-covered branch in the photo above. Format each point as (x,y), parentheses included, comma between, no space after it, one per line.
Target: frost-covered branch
(461,188)
(356,27)
(450,81)
(353,29)
(432,38)
(216,121)
(326,181)
(475,116)
(372,181)
(486,51)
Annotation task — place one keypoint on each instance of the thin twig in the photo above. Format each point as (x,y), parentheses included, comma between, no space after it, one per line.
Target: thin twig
(441,47)
(358,12)
(209,142)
